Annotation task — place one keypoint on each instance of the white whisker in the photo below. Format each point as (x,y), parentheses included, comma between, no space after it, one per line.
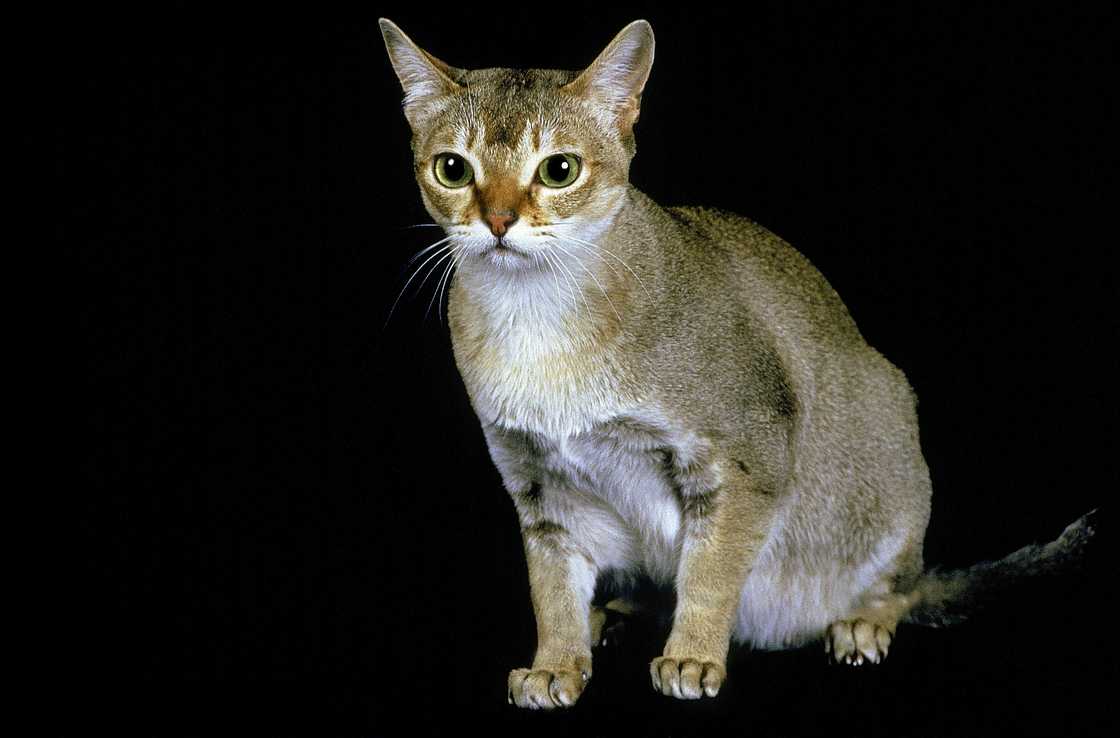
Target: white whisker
(556,278)
(593,277)
(416,272)
(449,253)
(570,241)
(575,282)
(421,252)
(455,259)
(609,253)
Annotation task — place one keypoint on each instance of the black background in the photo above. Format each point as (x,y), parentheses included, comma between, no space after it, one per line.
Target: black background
(290,521)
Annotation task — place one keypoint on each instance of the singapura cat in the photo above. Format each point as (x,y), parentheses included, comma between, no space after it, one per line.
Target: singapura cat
(674,393)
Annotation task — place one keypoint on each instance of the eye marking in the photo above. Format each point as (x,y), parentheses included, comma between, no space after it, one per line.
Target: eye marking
(559,170)
(452,171)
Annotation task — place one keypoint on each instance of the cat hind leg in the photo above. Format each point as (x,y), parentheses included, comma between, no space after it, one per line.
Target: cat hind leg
(865,636)
(609,621)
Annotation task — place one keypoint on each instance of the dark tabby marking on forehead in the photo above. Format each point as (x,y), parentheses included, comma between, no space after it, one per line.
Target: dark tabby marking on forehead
(505,121)
(505,132)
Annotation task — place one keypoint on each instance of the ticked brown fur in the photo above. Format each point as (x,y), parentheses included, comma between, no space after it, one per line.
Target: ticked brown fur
(671,393)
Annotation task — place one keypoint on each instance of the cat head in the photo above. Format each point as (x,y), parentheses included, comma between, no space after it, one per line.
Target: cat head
(510,162)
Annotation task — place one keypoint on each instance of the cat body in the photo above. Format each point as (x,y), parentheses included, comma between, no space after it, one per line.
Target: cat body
(672,393)
(601,422)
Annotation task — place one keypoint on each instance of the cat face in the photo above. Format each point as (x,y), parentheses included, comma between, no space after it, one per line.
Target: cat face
(513,163)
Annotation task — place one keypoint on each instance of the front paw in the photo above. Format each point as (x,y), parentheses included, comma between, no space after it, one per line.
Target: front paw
(686,678)
(544,689)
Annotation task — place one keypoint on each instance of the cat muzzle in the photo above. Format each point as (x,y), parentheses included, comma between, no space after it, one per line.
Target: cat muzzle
(500,223)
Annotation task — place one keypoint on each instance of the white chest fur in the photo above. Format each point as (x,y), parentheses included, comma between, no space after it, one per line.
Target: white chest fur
(532,361)
(615,498)
(533,365)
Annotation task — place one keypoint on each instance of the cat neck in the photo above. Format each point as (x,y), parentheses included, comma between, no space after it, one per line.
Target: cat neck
(542,349)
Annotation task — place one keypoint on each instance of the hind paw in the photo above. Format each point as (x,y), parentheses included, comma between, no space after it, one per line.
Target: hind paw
(857,641)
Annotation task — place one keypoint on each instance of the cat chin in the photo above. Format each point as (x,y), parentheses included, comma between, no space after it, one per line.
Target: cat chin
(508,258)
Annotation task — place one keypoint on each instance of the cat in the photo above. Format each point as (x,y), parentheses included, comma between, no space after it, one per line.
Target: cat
(668,393)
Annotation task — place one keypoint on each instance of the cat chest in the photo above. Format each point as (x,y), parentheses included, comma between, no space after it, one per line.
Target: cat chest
(624,487)
(555,398)
(533,368)
(520,385)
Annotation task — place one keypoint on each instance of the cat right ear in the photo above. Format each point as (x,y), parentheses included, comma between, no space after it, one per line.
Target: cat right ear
(616,78)
(423,77)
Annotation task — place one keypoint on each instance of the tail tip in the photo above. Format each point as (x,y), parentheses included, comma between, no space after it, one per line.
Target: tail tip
(1078,533)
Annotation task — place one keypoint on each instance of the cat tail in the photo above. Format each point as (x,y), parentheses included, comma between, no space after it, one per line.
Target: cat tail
(950,597)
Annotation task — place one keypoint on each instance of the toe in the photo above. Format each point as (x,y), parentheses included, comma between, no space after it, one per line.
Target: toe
(883,641)
(670,678)
(565,688)
(691,672)
(712,679)
(516,687)
(866,645)
(843,642)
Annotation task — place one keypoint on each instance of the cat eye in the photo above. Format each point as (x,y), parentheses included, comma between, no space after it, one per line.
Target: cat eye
(559,170)
(453,171)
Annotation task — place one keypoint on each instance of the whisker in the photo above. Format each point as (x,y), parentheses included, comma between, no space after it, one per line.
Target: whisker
(556,278)
(593,252)
(414,273)
(593,277)
(421,252)
(439,281)
(537,258)
(450,252)
(609,253)
(457,253)
(575,282)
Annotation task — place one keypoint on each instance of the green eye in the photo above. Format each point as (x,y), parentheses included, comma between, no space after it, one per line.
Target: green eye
(453,171)
(559,170)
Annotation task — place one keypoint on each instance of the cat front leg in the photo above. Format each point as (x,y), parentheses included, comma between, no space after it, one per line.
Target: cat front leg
(724,529)
(561,583)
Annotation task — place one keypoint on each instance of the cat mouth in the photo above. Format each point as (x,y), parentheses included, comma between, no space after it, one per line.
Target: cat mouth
(503,250)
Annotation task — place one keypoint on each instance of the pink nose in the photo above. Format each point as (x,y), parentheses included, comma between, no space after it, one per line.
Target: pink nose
(500,222)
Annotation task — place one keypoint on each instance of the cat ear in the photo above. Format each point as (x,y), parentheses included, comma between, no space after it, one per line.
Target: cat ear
(423,77)
(617,77)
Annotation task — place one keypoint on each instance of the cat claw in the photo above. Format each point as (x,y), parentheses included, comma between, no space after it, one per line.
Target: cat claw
(856,642)
(546,689)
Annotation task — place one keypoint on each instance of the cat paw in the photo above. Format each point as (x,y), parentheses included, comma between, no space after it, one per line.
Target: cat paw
(607,627)
(856,641)
(608,623)
(544,689)
(686,679)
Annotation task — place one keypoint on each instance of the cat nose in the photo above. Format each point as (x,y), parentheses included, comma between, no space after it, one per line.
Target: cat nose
(500,222)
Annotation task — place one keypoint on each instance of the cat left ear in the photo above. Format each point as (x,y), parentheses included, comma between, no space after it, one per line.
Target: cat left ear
(617,77)
(423,77)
